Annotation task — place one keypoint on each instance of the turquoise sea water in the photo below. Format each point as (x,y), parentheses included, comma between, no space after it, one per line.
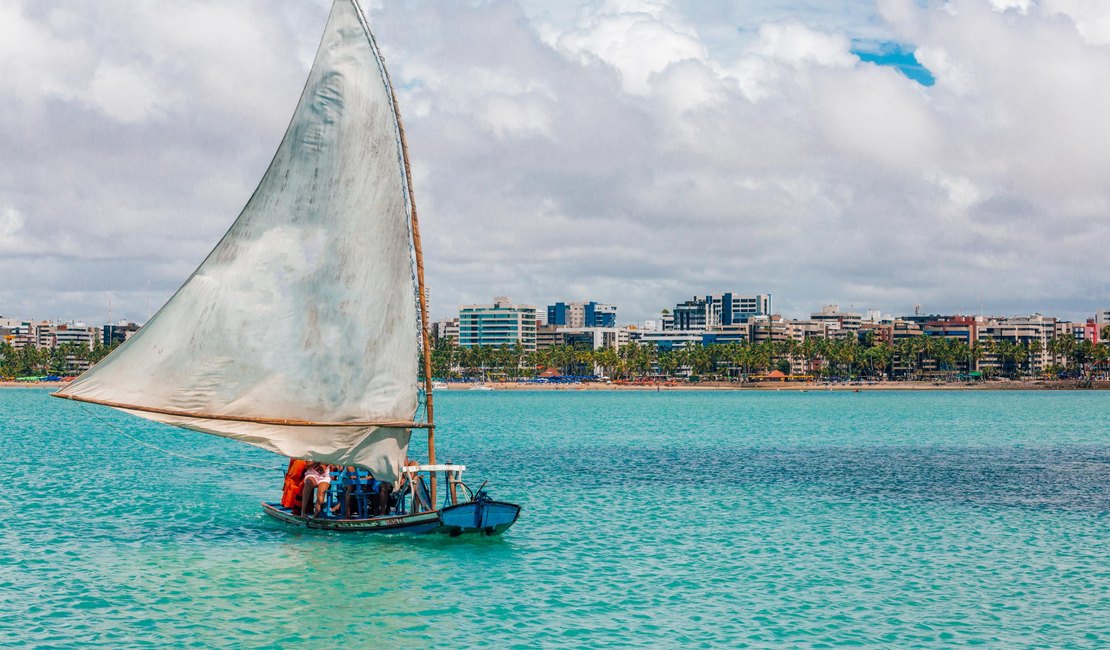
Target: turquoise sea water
(650,519)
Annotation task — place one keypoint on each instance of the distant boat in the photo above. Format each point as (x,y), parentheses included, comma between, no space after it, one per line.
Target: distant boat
(299,333)
(439,385)
(481,387)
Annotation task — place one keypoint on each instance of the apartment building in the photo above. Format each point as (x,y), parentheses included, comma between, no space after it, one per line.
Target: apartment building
(1032,332)
(841,323)
(961,328)
(119,332)
(502,323)
(582,314)
(719,310)
(595,338)
(446,330)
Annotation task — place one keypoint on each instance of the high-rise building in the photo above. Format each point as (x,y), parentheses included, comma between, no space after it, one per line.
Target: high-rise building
(582,314)
(595,337)
(720,310)
(446,329)
(962,328)
(831,314)
(119,332)
(1032,332)
(74,334)
(1102,319)
(548,336)
(691,315)
(501,323)
(1081,331)
(599,315)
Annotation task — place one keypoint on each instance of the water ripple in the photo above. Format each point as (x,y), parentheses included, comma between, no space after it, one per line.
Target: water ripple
(702,520)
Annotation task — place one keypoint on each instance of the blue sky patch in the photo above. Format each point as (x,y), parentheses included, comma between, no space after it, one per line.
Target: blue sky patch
(895,55)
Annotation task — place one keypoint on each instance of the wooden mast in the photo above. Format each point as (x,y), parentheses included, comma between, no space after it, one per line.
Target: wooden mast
(425,338)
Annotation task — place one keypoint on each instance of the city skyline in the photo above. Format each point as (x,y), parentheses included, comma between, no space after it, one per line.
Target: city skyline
(872,155)
(612,319)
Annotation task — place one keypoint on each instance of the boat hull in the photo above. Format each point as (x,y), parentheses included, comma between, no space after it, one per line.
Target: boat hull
(484,518)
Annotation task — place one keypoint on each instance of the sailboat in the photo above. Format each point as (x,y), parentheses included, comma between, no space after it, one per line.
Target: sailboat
(302,331)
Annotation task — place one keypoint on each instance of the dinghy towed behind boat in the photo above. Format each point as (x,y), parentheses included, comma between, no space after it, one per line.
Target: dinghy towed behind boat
(301,331)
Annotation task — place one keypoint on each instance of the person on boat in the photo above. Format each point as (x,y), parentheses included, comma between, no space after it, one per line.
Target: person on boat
(293,487)
(379,492)
(317,478)
(349,481)
(355,484)
(402,479)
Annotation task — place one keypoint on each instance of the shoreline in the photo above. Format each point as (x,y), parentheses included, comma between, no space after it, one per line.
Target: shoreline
(993,385)
(793,386)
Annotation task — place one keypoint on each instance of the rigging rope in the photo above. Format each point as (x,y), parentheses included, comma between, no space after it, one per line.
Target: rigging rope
(172,453)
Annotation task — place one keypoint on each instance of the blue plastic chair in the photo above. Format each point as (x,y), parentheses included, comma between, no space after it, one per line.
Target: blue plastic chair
(357,481)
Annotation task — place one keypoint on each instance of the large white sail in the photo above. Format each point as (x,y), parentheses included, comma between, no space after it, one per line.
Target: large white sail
(305,311)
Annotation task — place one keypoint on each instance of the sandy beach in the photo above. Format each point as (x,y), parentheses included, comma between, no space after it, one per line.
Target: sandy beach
(791,385)
(1069,384)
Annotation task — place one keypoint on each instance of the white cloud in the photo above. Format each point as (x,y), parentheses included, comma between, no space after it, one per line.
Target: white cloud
(124,92)
(11,222)
(518,115)
(784,55)
(798,45)
(962,192)
(1022,6)
(1091,17)
(632,152)
(638,38)
(875,113)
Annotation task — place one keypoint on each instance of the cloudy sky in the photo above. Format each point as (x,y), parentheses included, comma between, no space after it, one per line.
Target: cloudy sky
(629,151)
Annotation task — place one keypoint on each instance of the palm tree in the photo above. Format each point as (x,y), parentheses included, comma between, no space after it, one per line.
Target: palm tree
(7,360)
(1064,348)
(444,355)
(792,350)
(975,355)
(1014,355)
(809,351)
(989,348)
(1033,347)
(608,360)
(946,351)
(885,354)
(669,362)
(699,360)
(1084,354)
(1100,356)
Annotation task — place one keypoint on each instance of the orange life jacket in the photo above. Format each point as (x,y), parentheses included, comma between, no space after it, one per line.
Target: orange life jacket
(294,483)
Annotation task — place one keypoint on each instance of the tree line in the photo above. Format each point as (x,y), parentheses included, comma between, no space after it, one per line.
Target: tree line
(919,357)
(913,358)
(31,361)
